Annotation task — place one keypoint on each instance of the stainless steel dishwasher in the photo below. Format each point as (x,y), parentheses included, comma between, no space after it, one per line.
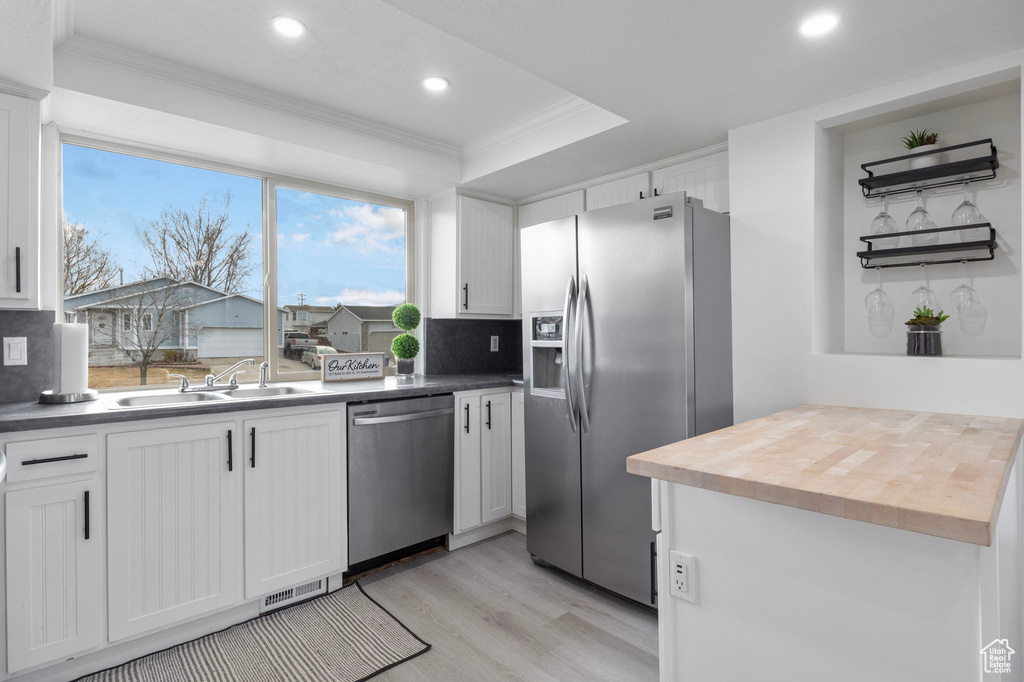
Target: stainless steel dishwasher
(400,474)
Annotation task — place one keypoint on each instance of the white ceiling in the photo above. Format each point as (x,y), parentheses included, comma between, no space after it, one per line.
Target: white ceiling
(681,72)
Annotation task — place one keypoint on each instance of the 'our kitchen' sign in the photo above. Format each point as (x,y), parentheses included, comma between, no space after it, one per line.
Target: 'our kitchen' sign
(353,366)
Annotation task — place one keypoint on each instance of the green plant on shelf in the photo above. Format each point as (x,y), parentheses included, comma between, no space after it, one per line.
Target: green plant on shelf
(927,317)
(406,316)
(920,138)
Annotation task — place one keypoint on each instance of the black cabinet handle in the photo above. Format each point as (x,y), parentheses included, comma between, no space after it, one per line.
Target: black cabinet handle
(488,415)
(655,191)
(17,269)
(48,460)
(87,515)
(252,453)
(467,417)
(654,571)
(231,463)
(641,195)
(465,296)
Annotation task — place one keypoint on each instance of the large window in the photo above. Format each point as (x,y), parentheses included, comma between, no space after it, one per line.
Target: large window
(169,263)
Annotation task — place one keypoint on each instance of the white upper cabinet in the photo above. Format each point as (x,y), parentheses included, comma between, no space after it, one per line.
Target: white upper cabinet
(20,136)
(706,178)
(173,541)
(616,192)
(472,247)
(562,206)
(54,536)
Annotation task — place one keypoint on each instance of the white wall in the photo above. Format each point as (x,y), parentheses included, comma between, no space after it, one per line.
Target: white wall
(778,290)
(998,283)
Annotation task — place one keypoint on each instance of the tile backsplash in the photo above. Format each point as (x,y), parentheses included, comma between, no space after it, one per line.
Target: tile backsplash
(21,383)
(464,346)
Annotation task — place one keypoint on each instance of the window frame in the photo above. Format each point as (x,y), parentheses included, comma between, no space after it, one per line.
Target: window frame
(271,181)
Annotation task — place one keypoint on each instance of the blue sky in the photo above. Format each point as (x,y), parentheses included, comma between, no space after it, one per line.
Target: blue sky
(333,250)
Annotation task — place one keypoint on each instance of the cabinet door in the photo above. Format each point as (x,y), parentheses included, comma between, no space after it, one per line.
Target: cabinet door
(518,456)
(53,581)
(486,258)
(295,501)
(496,455)
(706,178)
(173,548)
(20,136)
(467,463)
(621,191)
(562,206)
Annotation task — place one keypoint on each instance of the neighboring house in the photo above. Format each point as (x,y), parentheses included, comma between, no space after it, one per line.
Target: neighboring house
(356,328)
(311,319)
(185,316)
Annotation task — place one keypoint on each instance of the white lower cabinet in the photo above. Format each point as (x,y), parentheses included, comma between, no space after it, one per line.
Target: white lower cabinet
(484,444)
(295,501)
(518,456)
(54,535)
(173,542)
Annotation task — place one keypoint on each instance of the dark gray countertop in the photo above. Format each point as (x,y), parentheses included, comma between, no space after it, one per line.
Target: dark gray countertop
(33,416)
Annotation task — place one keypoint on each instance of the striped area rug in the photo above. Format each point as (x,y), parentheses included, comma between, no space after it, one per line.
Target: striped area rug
(344,636)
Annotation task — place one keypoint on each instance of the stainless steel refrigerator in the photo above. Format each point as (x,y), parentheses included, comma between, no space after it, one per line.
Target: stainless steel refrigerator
(627,343)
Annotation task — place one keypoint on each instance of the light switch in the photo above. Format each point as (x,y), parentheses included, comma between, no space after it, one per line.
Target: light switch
(15,350)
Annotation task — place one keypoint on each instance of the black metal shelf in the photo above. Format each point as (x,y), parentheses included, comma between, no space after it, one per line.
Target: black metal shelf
(872,254)
(943,174)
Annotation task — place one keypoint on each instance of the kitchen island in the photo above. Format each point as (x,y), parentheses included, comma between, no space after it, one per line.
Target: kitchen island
(868,544)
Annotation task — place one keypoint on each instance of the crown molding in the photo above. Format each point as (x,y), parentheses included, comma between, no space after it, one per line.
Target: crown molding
(570,106)
(646,168)
(12,88)
(90,49)
(63,21)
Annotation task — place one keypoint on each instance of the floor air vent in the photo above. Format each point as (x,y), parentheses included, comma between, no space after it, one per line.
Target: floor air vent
(278,600)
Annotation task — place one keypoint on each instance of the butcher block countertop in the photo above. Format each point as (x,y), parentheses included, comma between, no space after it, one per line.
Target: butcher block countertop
(937,474)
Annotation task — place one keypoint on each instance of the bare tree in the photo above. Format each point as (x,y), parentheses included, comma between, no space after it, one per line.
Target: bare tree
(146,316)
(87,265)
(198,245)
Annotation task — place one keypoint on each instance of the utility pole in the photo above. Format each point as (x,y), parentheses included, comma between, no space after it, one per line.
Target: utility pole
(302,299)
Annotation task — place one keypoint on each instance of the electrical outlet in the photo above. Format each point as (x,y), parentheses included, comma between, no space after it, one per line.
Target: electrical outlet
(494,344)
(683,578)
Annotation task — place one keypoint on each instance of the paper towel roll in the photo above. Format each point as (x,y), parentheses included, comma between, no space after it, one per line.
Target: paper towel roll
(70,358)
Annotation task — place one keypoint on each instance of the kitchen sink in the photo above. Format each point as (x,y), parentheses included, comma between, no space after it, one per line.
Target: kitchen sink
(165,399)
(268,392)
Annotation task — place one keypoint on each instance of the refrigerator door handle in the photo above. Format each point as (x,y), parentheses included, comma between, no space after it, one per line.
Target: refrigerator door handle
(570,403)
(581,389)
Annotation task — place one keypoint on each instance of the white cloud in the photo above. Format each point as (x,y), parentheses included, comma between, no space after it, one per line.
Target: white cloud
(300,237)
(363,297)
(369,227)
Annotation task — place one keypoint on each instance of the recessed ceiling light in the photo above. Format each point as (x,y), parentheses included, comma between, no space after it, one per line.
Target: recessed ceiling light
(288,26)
(435,83)
(819,24)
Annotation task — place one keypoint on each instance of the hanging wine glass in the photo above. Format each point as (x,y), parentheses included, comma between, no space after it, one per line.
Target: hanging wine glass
(968,214)
(880,310)
(884,224)
(971,313)
(920,220)
(923,297)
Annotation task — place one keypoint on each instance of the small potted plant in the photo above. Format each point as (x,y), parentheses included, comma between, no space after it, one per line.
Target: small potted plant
(924,332)
(406,346)
(925,140)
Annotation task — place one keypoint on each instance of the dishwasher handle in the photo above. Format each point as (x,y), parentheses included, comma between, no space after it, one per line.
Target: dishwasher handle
(362,421)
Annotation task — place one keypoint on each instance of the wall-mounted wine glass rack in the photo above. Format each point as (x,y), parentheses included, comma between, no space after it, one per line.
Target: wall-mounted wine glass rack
(918,255)
(972,169)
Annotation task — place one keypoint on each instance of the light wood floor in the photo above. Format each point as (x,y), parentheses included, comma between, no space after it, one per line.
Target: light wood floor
(491,614)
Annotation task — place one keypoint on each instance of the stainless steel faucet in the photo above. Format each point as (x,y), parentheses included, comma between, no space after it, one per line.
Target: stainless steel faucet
(211,380)
(264,366)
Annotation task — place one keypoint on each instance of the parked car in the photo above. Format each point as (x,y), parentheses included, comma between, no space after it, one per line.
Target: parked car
(314,356)
(297,343)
